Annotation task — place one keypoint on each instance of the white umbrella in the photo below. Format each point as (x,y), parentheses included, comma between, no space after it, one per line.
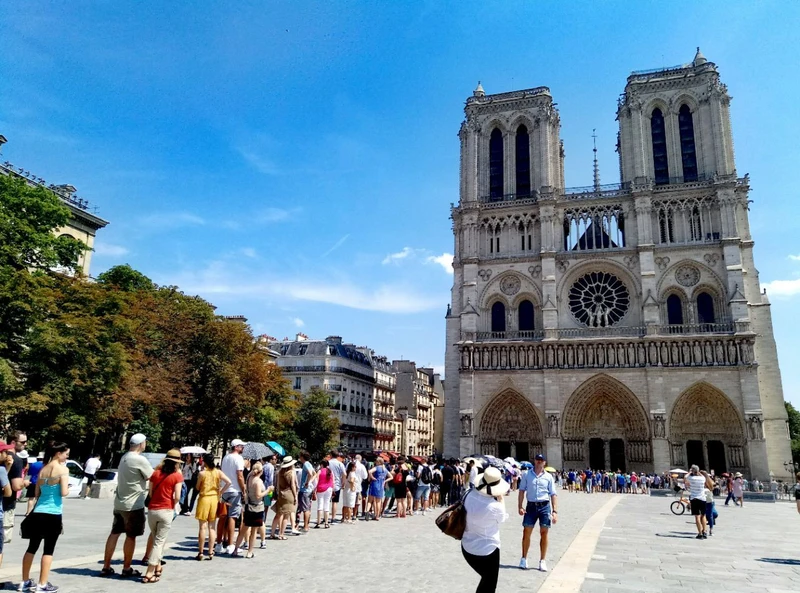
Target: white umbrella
(192,450)
(510,460)
(678,471)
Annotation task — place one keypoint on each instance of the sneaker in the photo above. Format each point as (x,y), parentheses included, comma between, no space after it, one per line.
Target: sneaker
(263,545)
(542,565)
(49,587)
(230,550)
(704,535)
(698,536)
(523,563)
(218,549)
(27,585)
(243,546)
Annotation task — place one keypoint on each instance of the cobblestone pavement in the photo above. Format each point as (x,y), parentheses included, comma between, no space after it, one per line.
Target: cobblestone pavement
(643,547)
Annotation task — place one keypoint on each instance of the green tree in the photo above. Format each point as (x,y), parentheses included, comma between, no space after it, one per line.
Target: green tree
(315,427)
(126,278)
(794,430)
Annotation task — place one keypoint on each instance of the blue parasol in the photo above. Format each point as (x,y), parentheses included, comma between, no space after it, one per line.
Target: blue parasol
(276,447)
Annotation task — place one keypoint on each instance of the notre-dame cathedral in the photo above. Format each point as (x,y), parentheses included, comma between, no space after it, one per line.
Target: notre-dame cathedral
(613,326)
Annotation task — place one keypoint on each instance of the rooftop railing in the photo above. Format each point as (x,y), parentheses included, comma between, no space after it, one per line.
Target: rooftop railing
(527,197)
(720,327)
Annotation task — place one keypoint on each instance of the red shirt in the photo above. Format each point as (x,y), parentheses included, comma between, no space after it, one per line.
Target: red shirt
(163,488)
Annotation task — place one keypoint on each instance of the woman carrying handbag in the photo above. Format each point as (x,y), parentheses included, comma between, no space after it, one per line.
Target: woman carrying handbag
(480,543)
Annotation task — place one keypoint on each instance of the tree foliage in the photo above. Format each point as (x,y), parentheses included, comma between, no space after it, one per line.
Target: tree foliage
(794,430)
(89,362)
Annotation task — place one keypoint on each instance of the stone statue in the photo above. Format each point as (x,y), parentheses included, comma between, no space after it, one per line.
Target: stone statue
(659,427)
(449,310)
(552,426)
(466,425)
(756,430)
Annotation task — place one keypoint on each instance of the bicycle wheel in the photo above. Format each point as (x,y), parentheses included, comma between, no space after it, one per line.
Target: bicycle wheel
(677,507)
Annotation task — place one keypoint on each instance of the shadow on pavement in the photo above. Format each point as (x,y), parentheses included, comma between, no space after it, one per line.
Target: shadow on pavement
(85,572)
(677,534)
(787,561)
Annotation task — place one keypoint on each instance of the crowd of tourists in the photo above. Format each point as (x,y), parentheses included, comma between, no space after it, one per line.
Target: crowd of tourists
(232,500)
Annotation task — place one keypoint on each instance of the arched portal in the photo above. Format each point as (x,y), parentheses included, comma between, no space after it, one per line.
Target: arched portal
(705,429)
(606,427)
(510,426)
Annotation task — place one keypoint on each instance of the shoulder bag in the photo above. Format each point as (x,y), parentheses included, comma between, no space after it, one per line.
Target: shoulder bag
(453,520)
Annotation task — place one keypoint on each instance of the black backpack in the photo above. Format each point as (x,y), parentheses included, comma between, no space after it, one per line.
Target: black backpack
(425,476)
(437,478)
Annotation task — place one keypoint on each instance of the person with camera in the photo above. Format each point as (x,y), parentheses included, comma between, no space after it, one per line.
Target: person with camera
(698,481)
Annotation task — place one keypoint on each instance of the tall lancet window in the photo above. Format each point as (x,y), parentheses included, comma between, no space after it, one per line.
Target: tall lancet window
(523,162)
(688,154)
(657,131)
(496,164)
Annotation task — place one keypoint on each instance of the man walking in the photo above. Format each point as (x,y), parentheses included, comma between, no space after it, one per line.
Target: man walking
(448,473)
(132,476)
(698,481)
(15,470)
(89,470)
(539,490)
(306,481)
(424,482)
(233,467)
(363,475)
(338,470)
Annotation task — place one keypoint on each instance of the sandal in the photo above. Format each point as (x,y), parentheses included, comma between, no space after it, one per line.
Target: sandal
(283,537)
(249,555)
(151,579)
(210,556)
(199,556)
(107,572)
(128,573)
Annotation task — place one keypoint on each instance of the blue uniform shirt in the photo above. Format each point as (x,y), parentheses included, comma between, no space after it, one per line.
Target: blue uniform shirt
(537,488)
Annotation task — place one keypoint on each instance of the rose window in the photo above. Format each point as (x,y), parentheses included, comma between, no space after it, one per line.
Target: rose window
(599,299)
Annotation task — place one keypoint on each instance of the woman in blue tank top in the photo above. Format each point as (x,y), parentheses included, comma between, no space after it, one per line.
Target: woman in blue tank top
(44,523)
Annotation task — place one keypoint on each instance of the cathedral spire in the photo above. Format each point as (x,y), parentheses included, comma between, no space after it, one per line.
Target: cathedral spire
(596,166)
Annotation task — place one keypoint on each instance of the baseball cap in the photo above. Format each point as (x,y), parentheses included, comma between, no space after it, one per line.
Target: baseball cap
(237,443)
(138,439)
(539,457)
(5,447)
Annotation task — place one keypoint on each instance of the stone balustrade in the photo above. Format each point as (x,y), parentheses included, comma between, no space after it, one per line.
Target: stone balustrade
(648,351)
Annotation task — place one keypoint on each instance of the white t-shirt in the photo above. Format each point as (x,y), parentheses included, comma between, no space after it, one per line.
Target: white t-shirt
(473,476)
(232,463)
(92,465)
(696,486)
(361,471)
(338,470)
(484,515)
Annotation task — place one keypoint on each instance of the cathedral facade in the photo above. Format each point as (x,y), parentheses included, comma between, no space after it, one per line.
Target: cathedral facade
(612,326)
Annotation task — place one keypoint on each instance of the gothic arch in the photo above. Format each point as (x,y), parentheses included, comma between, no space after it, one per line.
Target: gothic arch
(488,127)
(652,105)
(521,119)
(701,411)
(492,291)
(510,417)
(706,429)
(599,265)
(707,278)
(684,99)
(603,406)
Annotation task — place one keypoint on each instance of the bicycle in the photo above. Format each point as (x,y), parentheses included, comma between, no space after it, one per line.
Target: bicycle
(680,506)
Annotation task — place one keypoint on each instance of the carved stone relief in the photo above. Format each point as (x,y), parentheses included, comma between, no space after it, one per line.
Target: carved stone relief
(485,275)
(510,285)
(631,261)
(711,259)
(755,428)
(659,426)
(687,275)
(552,426)
(535,271)
(562,265)
(662,263)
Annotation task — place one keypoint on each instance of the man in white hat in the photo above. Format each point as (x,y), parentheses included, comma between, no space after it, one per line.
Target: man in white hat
(233,466)
(480,544)
(539,490)
(132,476)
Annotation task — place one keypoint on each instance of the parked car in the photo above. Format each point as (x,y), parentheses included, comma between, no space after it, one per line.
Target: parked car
(76,479)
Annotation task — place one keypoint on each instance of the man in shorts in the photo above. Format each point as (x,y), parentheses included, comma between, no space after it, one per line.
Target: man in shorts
(697,481)
(132,477)
(424,482)
(15,469)
(338,470)
(537,502)
(306,488)
(363,475)
(89,470)
(233,467)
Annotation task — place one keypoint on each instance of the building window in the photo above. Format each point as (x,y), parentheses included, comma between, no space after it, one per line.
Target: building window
(688,154)
(674,310)
(303,349)
(526,316)
(660,164)
(498,317)
(705,308)
(297,383)
(523,154)
(496,164)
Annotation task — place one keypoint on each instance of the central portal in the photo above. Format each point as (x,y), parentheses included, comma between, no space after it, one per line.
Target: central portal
(510,427)
(605,427)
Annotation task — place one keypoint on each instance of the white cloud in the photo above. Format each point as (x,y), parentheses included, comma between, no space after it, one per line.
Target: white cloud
(249,252)
(394,258)
(782,288)
(794,257)
(336,245)
(171,220)
(385,298)
(110,250)
(298,322)
(275,215)
(445,260)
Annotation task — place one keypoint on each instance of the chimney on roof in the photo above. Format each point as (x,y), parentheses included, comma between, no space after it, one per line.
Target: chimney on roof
(301,337)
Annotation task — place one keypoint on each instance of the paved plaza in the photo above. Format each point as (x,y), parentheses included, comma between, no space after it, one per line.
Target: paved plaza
(602,544)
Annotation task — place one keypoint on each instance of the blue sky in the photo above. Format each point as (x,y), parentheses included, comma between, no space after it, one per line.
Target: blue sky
(295,162)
